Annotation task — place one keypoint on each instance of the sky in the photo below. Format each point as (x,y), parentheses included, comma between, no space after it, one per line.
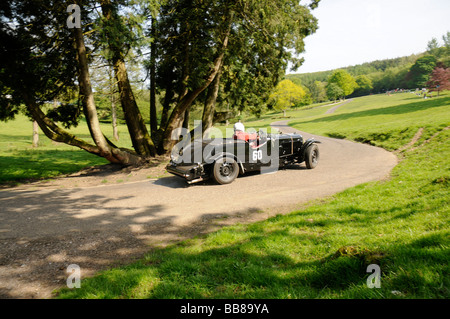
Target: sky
(352,32)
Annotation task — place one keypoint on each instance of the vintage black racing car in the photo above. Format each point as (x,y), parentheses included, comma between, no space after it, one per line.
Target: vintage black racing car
(223,159)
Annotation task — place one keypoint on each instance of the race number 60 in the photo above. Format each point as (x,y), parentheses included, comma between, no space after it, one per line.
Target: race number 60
(257,155)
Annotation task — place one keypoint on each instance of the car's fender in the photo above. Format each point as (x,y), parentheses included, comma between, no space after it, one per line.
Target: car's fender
(306,144)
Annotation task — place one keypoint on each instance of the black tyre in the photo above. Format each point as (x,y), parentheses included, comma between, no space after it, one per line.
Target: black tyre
(312,156)
(225,170)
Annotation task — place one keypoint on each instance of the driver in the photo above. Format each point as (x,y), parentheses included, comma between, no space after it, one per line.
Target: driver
(240,134)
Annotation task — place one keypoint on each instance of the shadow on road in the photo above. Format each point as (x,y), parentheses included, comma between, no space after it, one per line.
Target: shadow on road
(43,232)
(172,182)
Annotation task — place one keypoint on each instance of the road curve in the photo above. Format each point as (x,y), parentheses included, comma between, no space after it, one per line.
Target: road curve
(94,226)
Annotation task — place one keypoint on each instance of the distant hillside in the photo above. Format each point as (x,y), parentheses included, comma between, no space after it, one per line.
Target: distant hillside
(375,70)
(380,76)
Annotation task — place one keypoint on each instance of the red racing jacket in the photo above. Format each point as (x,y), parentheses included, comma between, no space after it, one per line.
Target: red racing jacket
(240,135)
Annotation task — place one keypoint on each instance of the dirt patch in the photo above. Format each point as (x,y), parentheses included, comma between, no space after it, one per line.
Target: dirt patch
(413,141)
(416,138)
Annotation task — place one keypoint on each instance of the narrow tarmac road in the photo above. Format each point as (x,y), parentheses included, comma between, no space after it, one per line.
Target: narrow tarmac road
(43,230)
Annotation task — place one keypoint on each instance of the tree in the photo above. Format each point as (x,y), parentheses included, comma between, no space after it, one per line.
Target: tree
(37,46)
(433,47)
(242,48)
(105,150)
(194,41)
(365,85)
(286,95)
(439,80)
(334,91)
(104,84)
(419,73)
(446,38)
(343,80)
(119,39)
(40,48)
(318,91)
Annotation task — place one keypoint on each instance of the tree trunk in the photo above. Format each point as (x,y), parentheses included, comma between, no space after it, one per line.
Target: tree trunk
(185,78)
(54,132)
(106,151)
(153,113)
(113,106)
(186,118)
(114,118)
(140,137)
(35,134)
(210,103)
(166,106)
(177,116)
(88,97)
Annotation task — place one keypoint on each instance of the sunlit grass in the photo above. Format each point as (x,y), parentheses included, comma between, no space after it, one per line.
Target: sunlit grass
(381,120)
(20,161)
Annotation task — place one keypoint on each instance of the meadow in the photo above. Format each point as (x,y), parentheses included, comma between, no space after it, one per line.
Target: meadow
(324,250)
(20,162)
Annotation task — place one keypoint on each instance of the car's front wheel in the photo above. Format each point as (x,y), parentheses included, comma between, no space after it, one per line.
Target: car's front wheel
(225,170)
(312,156)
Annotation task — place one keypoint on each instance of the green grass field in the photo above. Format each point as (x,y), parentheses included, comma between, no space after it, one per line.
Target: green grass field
(21,162)
(385,121)
(323,251)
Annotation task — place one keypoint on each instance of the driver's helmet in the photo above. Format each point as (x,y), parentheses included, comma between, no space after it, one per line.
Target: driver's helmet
(239,127)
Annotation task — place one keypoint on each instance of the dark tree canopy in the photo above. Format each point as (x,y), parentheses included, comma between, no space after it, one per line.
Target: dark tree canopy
(419,74)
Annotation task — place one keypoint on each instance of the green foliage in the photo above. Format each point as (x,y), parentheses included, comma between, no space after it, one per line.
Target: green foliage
(374,70)
(334,91)
(287,95)
(365,85)
(318,91)
(263,38)
(263,34)
(343,80)
(419,74)
(125,31)
(66,113)
(433,47)
(391,79)
(38,59)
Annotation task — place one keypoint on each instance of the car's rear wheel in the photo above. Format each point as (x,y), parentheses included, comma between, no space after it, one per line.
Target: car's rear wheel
(312,156)
(225,170)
